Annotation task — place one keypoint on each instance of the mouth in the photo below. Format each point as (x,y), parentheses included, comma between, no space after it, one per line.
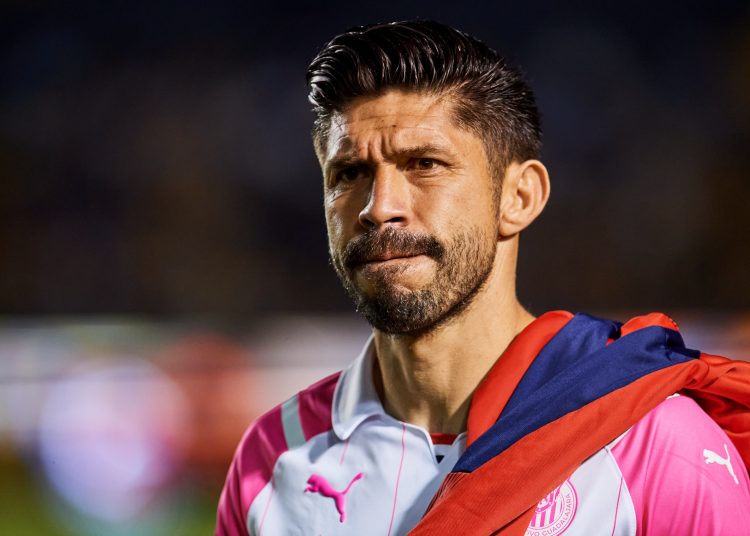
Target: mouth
(390,257)
(389,261)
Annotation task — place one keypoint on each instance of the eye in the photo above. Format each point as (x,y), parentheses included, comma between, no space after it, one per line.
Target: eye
(349,174)
(425,164)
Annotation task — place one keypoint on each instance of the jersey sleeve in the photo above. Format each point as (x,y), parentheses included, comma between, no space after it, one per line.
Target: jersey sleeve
(683,473)
(250,471)
(259,450)
(229,518)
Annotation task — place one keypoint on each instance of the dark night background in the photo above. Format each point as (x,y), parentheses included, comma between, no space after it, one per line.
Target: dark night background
(155,159)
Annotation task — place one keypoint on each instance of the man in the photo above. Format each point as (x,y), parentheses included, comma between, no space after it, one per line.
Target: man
(465,414)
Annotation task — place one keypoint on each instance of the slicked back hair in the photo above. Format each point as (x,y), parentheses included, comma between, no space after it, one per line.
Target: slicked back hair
(491,99)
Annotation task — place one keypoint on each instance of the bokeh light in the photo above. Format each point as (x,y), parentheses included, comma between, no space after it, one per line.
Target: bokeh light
(110,436)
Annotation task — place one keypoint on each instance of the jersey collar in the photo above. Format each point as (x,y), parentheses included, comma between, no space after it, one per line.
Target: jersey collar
(355,398)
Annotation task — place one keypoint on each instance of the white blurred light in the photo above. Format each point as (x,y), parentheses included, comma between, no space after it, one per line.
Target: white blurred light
(110,437)
(28,359)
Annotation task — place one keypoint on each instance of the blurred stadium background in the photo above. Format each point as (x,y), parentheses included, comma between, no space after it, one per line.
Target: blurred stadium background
(164,273)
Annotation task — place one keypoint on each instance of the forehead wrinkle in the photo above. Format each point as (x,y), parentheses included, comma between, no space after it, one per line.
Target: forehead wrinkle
(394,141)
(363,130)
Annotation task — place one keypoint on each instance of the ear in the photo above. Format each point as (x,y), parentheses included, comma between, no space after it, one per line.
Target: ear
(524,194)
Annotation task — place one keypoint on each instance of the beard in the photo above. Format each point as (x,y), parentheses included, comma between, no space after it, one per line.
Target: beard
(464,263)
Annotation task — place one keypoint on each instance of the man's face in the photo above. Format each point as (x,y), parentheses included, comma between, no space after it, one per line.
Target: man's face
(411,211)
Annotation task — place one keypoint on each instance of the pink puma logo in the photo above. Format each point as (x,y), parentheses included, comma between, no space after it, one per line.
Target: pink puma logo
(318,484)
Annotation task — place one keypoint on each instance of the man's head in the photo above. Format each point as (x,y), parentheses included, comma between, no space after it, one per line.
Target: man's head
(489,97)
(417,127)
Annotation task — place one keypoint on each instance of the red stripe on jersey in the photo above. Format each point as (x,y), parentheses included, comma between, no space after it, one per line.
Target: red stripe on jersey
(443,439)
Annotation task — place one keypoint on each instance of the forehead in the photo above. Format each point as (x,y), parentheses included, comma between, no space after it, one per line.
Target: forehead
(393,119)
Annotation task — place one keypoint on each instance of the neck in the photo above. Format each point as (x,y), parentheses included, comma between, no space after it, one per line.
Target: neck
(429,379)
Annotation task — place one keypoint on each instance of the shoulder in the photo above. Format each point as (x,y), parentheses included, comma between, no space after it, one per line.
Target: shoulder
(668,423)
(683,472)
(287,426)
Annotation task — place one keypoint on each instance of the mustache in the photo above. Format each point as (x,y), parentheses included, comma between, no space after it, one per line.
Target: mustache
(374,244)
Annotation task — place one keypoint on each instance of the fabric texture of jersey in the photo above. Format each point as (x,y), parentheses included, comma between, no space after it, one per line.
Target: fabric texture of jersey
(331,461)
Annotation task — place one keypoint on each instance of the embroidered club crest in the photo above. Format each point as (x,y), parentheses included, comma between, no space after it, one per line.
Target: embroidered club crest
(555,512)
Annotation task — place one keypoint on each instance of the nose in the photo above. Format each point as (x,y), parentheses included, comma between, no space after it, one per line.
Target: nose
(388,200)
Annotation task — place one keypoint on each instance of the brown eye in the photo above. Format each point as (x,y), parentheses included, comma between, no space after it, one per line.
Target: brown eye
(425,163)
(349,174)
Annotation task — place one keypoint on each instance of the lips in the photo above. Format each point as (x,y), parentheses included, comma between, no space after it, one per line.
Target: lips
(389,257)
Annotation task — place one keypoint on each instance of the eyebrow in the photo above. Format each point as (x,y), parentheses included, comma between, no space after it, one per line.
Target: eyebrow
(428,148)
(339,162)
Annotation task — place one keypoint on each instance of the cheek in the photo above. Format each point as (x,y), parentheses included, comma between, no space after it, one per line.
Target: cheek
(453,206)
(342,215)
(335,225)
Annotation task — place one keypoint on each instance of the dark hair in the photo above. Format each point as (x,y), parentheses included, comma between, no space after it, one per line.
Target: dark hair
(491,99)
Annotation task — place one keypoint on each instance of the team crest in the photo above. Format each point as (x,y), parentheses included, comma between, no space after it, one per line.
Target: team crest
(554,513)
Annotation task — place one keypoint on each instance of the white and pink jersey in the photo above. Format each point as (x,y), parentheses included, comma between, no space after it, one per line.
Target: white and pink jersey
(331,461)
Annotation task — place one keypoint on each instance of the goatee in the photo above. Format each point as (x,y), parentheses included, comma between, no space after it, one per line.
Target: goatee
(464,263)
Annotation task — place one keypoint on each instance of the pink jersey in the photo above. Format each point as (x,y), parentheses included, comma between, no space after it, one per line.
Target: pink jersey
(331,461)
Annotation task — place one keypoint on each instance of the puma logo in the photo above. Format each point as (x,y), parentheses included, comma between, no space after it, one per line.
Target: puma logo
(318,484)
(712,457)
